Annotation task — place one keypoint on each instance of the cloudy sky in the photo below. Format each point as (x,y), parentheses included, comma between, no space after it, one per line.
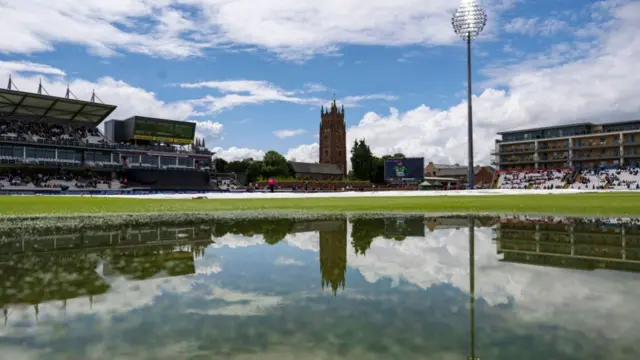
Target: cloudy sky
(254,73)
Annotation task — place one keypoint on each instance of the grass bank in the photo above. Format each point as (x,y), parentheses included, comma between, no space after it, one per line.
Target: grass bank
(602,204)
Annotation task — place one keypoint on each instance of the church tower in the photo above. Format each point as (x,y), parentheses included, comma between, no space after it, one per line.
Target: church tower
(333,139)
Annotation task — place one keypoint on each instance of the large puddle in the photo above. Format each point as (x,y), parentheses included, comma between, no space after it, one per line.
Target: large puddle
(340,287)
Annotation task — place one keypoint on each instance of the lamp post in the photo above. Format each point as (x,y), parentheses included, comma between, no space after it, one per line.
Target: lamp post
(468,21)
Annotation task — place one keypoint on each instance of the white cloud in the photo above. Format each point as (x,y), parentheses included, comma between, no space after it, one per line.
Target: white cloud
(304,153)
(293,29)
(535,26)
(595,80)
(315,87)
(236,153)
(210,131)
(246,92)
(28,67)
(288,133)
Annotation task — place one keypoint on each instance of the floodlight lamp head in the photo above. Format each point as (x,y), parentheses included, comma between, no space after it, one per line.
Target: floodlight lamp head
(469,19)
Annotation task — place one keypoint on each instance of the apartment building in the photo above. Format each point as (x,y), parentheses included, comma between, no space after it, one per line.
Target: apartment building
(583,145)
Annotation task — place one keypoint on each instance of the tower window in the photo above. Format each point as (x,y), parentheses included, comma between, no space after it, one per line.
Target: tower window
(339,153)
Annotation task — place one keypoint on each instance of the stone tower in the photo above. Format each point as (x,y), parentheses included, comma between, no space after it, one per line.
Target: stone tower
(333,139)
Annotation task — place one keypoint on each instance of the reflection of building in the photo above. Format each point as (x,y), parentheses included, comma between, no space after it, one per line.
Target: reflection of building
(58,265)
(571,243)
(333,257)
(457,222)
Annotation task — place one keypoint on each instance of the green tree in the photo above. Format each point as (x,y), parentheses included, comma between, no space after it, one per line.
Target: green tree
(254,171)
(362,160)
(275,165)
(221,165)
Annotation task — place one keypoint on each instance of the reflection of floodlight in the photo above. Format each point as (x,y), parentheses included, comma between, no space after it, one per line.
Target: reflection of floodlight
(469,21)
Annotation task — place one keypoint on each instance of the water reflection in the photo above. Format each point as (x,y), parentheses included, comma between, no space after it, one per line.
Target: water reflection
(405,287)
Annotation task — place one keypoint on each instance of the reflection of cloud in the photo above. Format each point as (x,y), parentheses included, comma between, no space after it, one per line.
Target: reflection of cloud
(238,303)
(208,270)
(561,296)
(236,241)
(304,241)
(288,261)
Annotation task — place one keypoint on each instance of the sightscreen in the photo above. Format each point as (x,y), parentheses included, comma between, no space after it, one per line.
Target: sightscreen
(164,131)
(407,169)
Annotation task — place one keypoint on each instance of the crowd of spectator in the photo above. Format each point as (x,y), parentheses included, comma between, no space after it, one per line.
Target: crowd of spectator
(54,180)
(71,134)
(619,178)
(592,179)
(534,179)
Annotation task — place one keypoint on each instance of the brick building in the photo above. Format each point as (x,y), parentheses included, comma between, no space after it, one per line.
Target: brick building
(333,137)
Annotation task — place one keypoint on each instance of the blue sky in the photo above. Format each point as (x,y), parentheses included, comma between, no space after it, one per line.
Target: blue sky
(254,74)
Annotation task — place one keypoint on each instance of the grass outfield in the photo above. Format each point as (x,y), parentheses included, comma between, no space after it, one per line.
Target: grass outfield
(604,204)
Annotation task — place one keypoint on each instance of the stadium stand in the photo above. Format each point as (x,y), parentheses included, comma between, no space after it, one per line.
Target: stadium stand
(49,142)
(533,179)
(620,178)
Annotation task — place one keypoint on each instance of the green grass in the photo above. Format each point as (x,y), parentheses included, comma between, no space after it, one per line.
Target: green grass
(604,204)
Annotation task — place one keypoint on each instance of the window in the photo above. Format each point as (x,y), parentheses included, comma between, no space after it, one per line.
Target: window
(98,156)
(187,162)
(148,160)
(167,161)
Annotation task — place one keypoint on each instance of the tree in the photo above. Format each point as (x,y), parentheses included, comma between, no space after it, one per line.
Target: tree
(221,165)
(274,165)
(254,171)
(362,161)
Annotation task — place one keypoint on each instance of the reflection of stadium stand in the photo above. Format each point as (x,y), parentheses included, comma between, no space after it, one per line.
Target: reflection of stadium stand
(570,243)
(65,264)
(457,222)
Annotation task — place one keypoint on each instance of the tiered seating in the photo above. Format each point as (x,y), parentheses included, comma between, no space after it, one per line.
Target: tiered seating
(88,135)
(626,179)
(535,179)
(19,181)
(591,179)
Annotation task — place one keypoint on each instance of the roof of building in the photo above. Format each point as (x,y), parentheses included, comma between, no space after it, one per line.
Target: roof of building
(544,128)
(457,170)
(14,102)
(315,168)
(589,124)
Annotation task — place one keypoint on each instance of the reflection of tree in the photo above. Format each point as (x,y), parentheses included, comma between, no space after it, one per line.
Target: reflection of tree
(148,263)
(273,229)
(333,257)
(364,231)
(35,279)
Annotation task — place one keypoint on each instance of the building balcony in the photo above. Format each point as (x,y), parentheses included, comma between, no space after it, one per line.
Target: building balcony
(543,148)
(597,145)
(513,162)
(631,143)
(514,151)
(578,157)
(552,160)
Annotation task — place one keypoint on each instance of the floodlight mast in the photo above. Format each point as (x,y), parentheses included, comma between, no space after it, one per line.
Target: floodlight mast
(468,22)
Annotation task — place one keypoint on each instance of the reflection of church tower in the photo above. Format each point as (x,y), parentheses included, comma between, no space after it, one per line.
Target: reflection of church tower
(333,142)
(333,257)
